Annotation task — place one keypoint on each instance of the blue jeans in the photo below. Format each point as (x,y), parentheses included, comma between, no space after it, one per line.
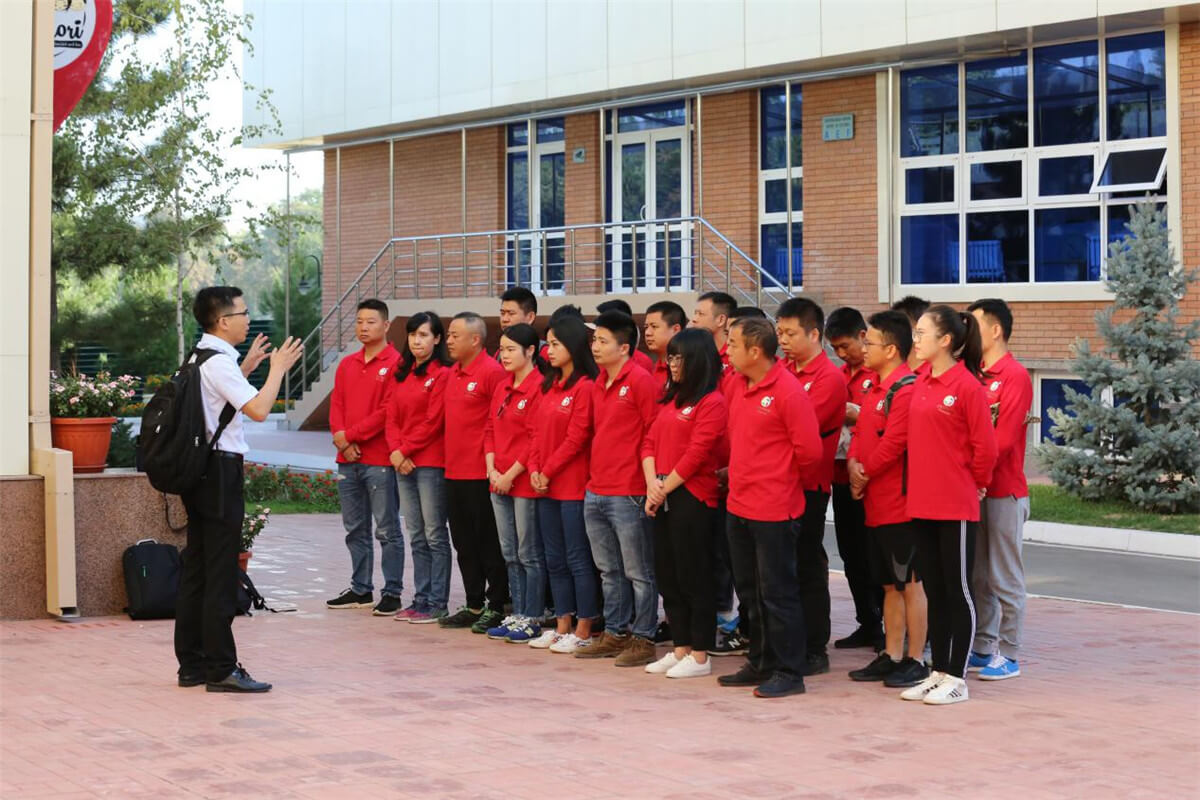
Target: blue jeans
(368,491)
(521,546)
(423,505)
(622,543)
(568,558)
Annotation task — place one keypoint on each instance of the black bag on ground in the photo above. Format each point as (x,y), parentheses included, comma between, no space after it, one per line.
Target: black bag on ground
(249,600)
(151,579)
(172,446)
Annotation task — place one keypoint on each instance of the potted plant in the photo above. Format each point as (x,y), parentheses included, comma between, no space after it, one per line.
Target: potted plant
(252,525)
(82,413)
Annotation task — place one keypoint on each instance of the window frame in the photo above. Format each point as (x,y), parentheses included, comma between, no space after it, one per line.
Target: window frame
(779,173)
(1154,187)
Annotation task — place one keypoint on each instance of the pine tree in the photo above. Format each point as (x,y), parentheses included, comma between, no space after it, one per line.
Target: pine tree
(1143,446)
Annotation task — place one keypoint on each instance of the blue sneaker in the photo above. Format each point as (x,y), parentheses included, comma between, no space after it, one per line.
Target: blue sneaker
(526,630)
(501,631)
(727,626)
(977,661)
(999,668)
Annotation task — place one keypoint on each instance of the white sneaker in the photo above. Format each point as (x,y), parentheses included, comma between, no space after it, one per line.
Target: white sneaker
(569,644)
(923,688)
(548,637)
(950,690)
(663,665)
(690,668)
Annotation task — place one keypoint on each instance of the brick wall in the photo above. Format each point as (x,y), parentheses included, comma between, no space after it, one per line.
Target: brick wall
(583,203)
(1189,135)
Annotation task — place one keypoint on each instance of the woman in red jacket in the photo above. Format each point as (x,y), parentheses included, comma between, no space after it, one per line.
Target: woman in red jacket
(559,462)
(414,438)
(680,461)
(951,454)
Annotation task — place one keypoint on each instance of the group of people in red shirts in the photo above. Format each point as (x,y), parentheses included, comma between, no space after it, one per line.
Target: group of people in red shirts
(579,481)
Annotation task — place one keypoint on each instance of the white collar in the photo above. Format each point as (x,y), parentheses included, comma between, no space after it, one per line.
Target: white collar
(210,342)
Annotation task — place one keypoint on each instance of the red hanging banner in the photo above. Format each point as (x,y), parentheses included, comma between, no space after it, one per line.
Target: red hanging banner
(81,32)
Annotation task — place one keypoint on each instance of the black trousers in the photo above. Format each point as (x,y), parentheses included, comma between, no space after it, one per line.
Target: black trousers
(722,565)
(812,570)
(208,581)
(477,544)
(850,524)
(764,570)
(944,549)
(683,569)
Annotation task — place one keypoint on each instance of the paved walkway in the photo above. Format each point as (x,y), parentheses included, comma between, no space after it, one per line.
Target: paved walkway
(363,707)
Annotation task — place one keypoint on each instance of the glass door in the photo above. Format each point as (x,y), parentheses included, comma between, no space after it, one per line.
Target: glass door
(536,199)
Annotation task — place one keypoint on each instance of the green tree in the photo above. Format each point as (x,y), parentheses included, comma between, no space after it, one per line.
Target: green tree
(1142,448)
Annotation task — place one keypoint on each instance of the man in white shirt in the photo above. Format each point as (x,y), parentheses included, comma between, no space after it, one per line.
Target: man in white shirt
(208,583)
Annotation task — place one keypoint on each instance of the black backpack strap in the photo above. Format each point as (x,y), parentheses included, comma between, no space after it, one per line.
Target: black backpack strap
(907,380)
(222,422)
(827,434)
(167,514)
(257,601)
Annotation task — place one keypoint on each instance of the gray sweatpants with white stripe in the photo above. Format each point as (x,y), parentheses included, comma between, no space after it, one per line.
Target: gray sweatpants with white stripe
(998,576)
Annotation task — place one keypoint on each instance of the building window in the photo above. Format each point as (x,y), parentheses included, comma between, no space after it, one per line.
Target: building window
(536,199)
(1051,394)
(774,193)
(1055,143)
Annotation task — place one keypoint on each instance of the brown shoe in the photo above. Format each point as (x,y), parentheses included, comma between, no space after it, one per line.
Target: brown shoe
(608,645)
(639,652)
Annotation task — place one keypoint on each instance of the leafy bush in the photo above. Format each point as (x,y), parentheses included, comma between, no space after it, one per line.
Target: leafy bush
(79,396)
(121,448)
(317,490)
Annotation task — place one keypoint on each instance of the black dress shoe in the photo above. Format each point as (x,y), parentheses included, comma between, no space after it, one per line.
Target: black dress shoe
(780,685)
(817,664)
(238,681)
(746,676)
(860,638)
(187,679)
(877,670)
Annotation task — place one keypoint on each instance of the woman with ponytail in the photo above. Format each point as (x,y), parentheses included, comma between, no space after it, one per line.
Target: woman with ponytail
(951,454)
(506,447)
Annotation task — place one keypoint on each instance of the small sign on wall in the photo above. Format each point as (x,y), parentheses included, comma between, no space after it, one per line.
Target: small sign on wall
(578,155)
(837,127)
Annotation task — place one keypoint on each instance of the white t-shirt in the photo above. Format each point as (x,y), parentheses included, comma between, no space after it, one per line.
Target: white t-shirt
(221,382)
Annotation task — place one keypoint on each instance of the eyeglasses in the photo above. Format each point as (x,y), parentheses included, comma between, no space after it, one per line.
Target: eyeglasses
(245,313)
(918,335)
(869,343)
(676,359)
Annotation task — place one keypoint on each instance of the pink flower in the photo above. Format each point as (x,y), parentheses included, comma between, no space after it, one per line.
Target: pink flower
(73,400)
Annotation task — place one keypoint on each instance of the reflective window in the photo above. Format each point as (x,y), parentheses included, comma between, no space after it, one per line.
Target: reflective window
(1066,93)
(929,111)
(775,197)
(518,191)
(553,182)
(929,249)
(773,128)
(1118,220)
(518,134)
(997,104)
(1055,396)
(550,130)
(1131,170)
(996,180)
(929,185)
(998,247)
(774,251)
(1136,84)
(1067,244)
(668,184)
(1065,175)
(651,115)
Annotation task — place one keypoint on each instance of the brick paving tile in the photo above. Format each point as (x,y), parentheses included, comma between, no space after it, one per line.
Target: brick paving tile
(364,706)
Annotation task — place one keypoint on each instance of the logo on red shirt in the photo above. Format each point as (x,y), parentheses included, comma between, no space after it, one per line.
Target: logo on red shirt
(995,385)
(471,386)
(866,384)
(766,401)
(807,386)
(687,411)
(566,401)
(624,391)
(948,400)
(429,383)
(521,405)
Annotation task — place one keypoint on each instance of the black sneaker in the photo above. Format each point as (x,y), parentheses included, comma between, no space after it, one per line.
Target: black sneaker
(662,634)
(238,681)
(730,644)
(780,685)
(860,638)
(746,676)
(818,664)
(463,618)
(909,672)
(351,599)
(488,619)
(387,606)
(877,670)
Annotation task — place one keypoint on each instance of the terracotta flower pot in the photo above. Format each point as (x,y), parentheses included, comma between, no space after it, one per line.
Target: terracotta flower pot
(244,559)
(87,438)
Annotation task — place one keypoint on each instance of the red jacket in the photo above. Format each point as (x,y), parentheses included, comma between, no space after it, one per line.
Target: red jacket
(358,404)
(951,446)
(827,389)
(1008,388)
(468,399)
(879,444)
(687,440)
(418,408)
(562,431)
(621,415)
(509,431)
(774,442)
(858,384)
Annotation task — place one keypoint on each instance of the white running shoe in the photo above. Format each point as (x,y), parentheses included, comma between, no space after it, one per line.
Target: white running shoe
(923,688)
(548,637)
(950,690)
(688,667)
(664,664)
(569,644)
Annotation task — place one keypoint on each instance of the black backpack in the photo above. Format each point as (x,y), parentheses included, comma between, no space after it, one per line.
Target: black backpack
(249,599)
(171,448)
(151,579)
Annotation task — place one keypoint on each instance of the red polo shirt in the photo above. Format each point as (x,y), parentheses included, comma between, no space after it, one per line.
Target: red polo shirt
(468,398)
(879,444)
(509,430)
(642,360)
(688,441)
(951,446)
(827,389)
(562,431)
(858,383)
(1010,391)
(724,354)
(662,376)
(416,414)
(621,414)
(774,442)
(358,404)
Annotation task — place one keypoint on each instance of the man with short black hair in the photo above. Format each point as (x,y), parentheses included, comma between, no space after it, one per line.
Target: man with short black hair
(517,304)
(639,355)
(914,308)
(713,313)
(664,319)
(366,479)
(208,582)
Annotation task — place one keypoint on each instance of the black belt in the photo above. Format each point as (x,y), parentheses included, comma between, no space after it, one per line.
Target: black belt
(231,456)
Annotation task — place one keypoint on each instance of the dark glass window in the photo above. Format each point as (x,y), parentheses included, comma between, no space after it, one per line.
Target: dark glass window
(998,247)
(776,195)
(997,104)
(996,180)
(553,180)
(651,115)
(773,128)
(1136,83)
(1067,244)
(1132,169)
(1118,221)
(1066,93)
(929,185)
(518,134)
(518,191)
(929,111)
(929,249)
(774,252)
(1053,396)
(1065,175)
(550,130)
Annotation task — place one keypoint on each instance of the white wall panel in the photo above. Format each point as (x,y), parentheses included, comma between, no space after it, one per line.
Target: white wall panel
(708,36)
(931,20)
(782,31)
(576,47)
(464,55)
(848,26)
(639,42)
(369,54)
(283,27)
(518,51)
(324,66)
(252,65)
(414,71)
(1022,13)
